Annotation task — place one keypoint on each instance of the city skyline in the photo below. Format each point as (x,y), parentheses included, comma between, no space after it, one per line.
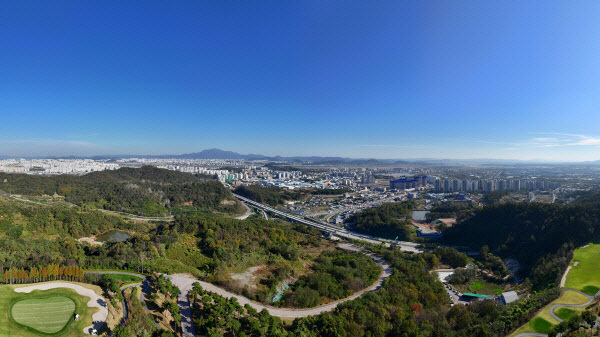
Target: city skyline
(395,81)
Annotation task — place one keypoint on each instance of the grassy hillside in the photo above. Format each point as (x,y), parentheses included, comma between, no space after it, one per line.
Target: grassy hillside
(585,274)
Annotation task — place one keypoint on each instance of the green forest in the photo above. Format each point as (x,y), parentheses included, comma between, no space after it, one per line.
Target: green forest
(40,242)
(387,221)
(268,195)
(147,191)
(540,236)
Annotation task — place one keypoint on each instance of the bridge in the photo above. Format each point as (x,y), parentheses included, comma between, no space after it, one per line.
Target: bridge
(333,230)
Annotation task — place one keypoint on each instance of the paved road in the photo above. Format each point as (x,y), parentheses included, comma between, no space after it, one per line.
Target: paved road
(185,285)
(124,305)
(556,306)
(337,231)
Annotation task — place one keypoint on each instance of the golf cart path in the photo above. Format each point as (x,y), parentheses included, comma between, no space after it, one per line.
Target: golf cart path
(95,301)
(556,306)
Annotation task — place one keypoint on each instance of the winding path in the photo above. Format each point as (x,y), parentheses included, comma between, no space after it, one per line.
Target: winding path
(185,284)
(556,306)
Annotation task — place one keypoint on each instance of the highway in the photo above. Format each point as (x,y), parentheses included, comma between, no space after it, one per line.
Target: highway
(337,231)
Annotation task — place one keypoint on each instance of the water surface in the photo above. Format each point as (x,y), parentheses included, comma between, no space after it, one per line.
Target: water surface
(114,236)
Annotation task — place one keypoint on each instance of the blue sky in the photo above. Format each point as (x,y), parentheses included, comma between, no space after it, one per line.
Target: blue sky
(388,79)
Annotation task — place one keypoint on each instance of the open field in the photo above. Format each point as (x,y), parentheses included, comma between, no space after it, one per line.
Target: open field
(485,288)
(543,322)
(43,312)
(480,286)
(585,276)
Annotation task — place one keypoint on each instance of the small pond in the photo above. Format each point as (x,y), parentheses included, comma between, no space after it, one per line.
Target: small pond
(419,215)
(114,235)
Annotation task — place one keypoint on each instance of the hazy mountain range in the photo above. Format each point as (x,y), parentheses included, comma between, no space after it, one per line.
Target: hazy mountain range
(222,154)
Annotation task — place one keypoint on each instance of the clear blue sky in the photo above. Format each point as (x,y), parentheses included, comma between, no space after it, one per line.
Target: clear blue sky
(385,79)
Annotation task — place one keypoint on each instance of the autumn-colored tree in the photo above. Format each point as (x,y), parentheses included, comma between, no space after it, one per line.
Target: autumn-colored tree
(23,275)
(7,276)
(34,274)
(44,273)
(53,271)
(13,273)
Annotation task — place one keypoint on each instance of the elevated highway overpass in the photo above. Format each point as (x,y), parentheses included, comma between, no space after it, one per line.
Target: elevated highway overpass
(327,228)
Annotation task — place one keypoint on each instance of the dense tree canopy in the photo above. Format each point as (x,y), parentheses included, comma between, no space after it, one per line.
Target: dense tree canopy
(384,221)
(147,191)
(528,231)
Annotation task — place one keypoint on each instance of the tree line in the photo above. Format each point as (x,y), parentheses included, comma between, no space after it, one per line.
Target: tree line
(50,272)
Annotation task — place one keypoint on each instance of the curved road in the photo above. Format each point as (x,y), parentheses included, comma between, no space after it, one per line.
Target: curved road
(556,306)
(185,284)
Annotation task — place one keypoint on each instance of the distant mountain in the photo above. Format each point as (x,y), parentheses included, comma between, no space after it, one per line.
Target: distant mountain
(222,154)
(211,154)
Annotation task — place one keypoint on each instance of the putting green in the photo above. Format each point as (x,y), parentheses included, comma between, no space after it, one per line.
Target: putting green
(45,314)
(16,308)
(585,276)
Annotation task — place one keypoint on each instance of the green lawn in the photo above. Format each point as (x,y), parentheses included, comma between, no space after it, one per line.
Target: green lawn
(48,314)
(541,325)
(586,275)
(124,278)
(43,313)
(485,288)
(564,313)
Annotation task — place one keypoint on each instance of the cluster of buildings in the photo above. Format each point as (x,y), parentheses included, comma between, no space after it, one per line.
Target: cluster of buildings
(55,166)
(408,183)
(490,185)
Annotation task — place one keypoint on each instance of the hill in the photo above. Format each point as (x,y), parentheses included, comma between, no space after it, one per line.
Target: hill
(538,235)
(147,191)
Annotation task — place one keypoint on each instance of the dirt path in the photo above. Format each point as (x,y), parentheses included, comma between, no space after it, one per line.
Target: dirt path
(96,301)
(564,277)
(245,215)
